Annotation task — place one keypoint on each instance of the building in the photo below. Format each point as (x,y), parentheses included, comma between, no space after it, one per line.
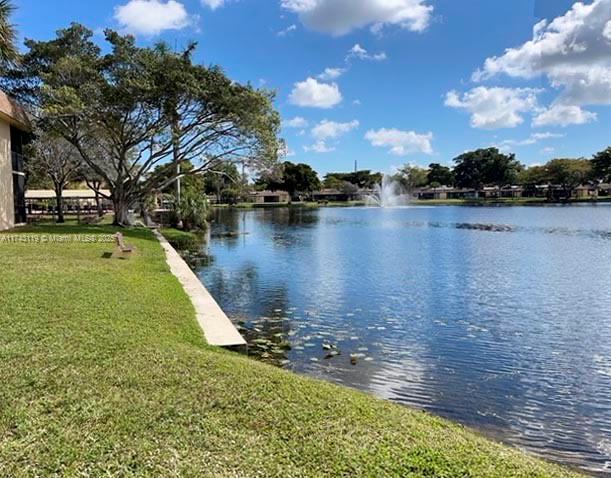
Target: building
(76,201)
(14,134)
(541,191)
(334,195)
(269,197)
(443,193)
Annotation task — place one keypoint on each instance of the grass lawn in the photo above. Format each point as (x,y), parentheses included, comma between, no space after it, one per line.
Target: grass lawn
(181,239)
(104,372)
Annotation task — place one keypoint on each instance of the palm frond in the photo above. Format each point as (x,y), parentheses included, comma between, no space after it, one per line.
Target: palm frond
(8,33)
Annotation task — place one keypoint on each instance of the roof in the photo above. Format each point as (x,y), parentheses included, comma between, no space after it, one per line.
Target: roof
(68,194)
(445,189)
(268,193)
(13,112)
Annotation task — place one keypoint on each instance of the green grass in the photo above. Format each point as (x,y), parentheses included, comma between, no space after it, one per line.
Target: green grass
(181,239)
(104,372)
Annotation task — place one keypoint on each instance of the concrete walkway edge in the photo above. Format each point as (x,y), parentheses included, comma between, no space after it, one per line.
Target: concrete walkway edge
(217,327)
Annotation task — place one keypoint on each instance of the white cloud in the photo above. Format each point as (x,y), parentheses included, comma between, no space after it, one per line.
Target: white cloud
(331,74)
(357,51)
(564,115)
(546,151)
(326,130)
(532,139)
(546,135)
(493,108)
(213,4)
(338,17)
(399,142)
(314,94)
(287,30)
(151,17)
(330,129)
(319,147)
(573,52)
(296,122)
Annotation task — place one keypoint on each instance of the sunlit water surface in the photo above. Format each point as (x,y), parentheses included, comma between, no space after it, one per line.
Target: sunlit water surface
(499,318)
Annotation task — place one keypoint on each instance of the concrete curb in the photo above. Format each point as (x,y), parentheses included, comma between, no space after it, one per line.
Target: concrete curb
(217,327)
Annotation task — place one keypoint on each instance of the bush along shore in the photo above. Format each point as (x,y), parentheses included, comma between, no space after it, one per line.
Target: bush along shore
(106,373)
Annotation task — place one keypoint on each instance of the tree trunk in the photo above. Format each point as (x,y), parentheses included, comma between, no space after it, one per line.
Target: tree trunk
(98,204)
(121,206)
(176,159)
(121,214)
(60,204)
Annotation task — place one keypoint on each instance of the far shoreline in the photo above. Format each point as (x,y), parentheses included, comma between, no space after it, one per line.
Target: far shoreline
(422,203)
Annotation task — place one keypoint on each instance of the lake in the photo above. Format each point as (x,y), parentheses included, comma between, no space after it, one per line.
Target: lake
(495,317)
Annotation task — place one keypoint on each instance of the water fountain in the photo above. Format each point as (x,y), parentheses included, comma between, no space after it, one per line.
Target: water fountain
(389,193)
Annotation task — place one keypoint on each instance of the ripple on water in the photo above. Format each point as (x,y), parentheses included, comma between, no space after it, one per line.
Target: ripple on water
(499,318)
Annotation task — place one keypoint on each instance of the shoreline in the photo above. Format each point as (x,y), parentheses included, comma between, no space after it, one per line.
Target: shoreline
(218,329)
(114,370)
(421,203)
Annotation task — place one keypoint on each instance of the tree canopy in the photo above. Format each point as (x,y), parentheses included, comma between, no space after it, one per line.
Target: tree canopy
(440,175)
(56,159)
(292,178)
(133,109)
(362,179)
(569,173)
(411,177)
(601,165)
(486,167)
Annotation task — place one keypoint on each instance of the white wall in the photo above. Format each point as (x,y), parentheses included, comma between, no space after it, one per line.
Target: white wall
(7,210)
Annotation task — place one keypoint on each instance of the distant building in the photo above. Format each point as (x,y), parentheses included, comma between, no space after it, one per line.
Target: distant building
(443,193)
(42,201)
(334,195)
(586,192)
(542,191)
(604,190)
(269,197)
(14,134)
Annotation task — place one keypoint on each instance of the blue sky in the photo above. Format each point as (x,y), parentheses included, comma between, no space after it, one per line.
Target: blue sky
(410,81)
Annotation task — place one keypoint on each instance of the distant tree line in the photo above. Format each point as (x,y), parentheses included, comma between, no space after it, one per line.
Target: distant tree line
(301,180)
(125,112)
(490,167)
(473,170)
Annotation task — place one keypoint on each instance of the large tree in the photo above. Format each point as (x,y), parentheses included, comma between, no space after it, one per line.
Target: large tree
(601,164)
(361,179)
(292,178)
(411,177)
(439,175)
(534,176)
(57,159)
(569,174)
(225,178)
(126,115)
(96,183)
(531,177)
(486,167)
(299,178)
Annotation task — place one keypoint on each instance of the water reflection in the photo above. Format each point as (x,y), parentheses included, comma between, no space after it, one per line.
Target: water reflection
(496,317)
